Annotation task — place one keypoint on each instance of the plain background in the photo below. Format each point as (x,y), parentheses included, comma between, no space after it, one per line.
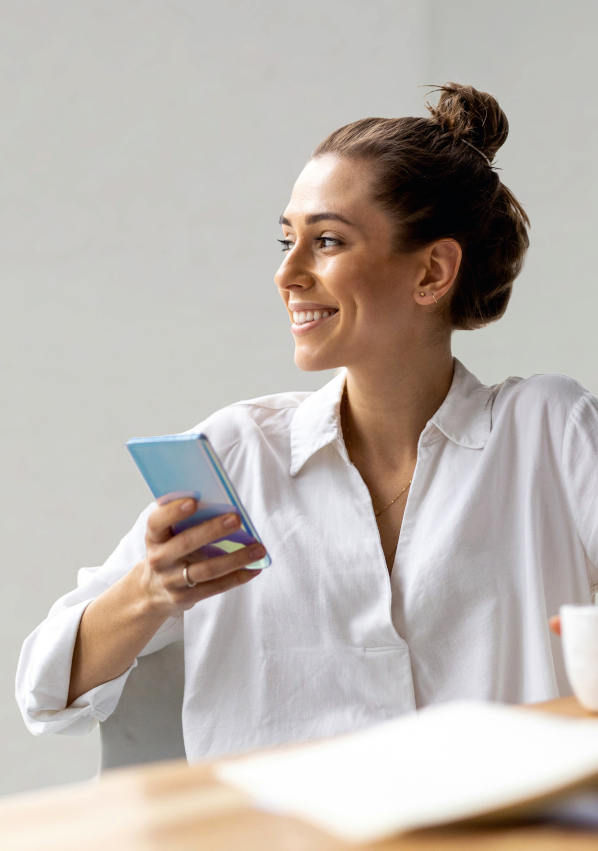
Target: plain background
(147,150)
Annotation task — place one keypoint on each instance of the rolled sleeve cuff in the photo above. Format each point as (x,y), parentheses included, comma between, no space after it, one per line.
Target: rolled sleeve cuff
(43,680)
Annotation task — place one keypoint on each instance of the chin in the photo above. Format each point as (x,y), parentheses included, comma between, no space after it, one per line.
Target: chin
(311,362)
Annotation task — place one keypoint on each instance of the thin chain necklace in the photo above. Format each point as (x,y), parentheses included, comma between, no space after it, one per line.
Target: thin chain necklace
(347,432)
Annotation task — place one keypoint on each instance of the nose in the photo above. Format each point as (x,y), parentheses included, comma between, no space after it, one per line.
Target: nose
(292,274)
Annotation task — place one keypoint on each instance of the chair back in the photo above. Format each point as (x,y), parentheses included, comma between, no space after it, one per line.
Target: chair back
(146,725)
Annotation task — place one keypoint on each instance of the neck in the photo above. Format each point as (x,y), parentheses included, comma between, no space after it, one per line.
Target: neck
(387,409)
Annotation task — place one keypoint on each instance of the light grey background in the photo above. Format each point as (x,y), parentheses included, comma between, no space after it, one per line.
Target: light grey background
(147,149)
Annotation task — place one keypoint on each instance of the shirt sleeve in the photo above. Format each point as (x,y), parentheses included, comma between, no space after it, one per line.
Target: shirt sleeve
(44,666)
(580,464)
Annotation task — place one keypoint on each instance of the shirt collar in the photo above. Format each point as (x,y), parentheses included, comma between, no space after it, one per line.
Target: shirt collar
(316,422)
(464,417)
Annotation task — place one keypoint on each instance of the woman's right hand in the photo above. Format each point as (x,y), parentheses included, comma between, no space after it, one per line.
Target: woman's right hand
(168,554)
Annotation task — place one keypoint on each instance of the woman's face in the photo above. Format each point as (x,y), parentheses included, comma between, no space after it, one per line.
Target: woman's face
(338,259)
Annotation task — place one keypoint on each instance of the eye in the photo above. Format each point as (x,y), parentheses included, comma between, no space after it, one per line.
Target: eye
(324,241)
(328,241)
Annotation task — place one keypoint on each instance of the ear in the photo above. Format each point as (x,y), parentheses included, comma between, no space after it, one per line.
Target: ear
(440,266)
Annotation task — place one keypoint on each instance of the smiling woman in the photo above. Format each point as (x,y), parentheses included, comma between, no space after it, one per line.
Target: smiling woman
(422,526)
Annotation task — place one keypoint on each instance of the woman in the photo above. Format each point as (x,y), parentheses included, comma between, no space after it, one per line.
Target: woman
(422,526)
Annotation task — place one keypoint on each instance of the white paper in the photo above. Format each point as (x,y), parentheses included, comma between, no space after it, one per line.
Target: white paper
(443,763)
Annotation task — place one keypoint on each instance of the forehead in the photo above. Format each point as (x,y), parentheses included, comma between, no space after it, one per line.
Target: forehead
(332,183)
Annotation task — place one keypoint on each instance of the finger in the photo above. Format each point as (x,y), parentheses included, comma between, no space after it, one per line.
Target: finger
(209,569)
(166,515)
(189,540)
(170,497)
(555,624)
(209,551)
(219,585)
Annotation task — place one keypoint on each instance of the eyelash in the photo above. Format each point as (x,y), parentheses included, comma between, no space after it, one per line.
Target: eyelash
(287,243)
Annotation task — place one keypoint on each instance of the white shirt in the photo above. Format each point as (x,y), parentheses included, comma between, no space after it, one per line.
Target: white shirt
(500,528)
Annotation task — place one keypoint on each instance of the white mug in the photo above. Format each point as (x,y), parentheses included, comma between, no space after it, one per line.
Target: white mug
(579,633)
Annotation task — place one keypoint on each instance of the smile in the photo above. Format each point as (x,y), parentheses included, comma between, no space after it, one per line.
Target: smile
(302,316)
(306,320)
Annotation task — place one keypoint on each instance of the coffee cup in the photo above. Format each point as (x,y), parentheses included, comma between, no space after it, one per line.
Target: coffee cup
(579,633)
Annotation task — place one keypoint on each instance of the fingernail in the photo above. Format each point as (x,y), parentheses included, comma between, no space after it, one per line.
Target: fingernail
(257,551)
(230,520)
(254,572)
(187,505)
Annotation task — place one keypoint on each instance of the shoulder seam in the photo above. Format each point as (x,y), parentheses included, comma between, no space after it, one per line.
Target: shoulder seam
(573,417)
(249,404)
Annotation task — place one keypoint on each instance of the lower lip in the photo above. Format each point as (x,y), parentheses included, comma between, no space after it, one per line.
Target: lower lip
(306,327)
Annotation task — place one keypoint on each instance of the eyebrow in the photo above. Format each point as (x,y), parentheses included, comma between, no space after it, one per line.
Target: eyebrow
(318,217)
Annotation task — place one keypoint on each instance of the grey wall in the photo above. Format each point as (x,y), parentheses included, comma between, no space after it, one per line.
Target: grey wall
(539,59)
(147,149)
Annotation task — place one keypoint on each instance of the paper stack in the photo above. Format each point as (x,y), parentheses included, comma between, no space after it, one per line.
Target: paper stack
(443,764)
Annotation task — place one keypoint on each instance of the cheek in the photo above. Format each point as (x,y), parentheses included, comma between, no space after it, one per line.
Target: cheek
(361,286)
(375,292)
(351,276)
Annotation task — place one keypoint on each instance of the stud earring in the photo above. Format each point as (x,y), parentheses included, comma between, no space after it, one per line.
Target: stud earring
(422,293)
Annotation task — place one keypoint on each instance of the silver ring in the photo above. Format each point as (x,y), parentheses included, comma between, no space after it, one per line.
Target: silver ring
(187,580)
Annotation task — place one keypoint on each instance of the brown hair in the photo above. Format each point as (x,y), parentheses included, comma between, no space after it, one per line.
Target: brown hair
(434,176)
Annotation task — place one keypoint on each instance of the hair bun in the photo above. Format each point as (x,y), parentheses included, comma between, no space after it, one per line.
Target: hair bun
(471,115)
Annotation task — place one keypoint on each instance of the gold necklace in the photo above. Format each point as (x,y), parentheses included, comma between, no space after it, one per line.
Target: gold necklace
(348,447)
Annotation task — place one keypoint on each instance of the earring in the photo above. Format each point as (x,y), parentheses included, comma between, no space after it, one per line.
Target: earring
(435,299)
(422,293)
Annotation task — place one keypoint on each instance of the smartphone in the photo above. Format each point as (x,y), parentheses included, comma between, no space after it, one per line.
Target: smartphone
(187,465)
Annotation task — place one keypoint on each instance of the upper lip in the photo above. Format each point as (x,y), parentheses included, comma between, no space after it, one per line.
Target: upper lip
(308,305)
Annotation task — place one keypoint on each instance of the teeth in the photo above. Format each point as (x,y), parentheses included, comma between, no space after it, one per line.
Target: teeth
(301,316)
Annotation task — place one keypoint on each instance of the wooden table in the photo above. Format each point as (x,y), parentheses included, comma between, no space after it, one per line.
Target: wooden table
(176,807)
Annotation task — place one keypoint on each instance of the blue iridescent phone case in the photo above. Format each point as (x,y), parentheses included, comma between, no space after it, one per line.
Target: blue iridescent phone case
(187,465)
